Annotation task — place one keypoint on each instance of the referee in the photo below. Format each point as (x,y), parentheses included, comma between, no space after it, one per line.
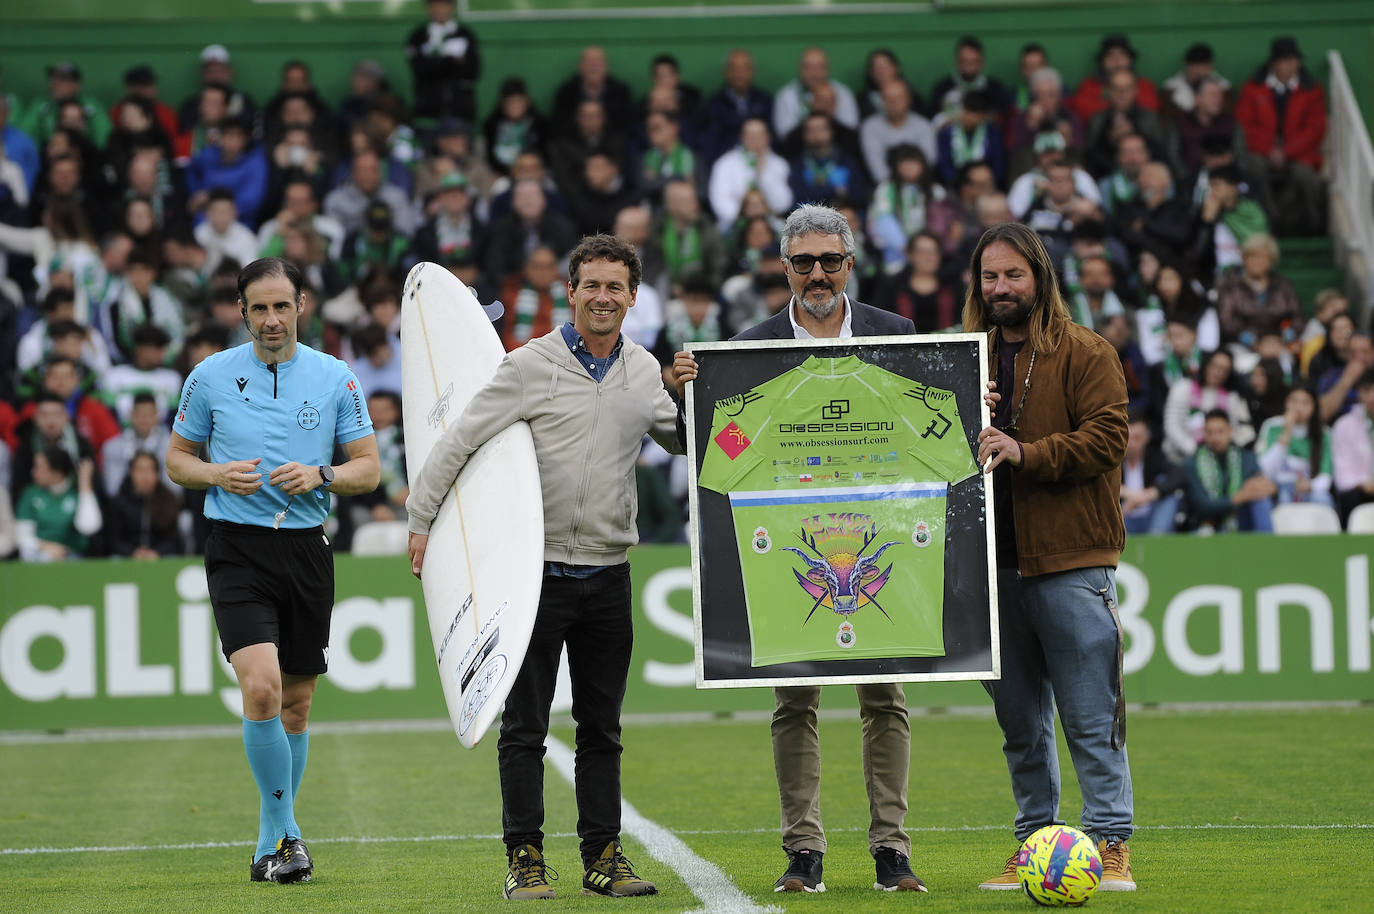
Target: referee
(271,412)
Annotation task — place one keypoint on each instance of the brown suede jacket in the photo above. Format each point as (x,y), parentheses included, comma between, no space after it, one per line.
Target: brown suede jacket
(1066,495)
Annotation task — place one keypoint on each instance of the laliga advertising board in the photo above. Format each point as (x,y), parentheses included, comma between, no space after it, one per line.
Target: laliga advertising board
(483,565)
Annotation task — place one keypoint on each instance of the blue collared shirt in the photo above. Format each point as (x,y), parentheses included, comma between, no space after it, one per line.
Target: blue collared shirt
(597,368)
(296,413)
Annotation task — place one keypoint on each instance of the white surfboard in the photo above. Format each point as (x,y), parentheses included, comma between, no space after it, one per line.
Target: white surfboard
(484,562)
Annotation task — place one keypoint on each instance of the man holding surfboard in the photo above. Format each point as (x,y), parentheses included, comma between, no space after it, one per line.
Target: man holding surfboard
(272,411)
(589,394)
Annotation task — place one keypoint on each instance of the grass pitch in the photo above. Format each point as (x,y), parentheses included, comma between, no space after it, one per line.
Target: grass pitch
(1236,811)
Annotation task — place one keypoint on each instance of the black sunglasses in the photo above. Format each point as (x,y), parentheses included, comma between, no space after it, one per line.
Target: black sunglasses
(830,263)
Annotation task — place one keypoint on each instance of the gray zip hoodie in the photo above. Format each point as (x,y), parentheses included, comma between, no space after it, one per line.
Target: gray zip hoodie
(586,436)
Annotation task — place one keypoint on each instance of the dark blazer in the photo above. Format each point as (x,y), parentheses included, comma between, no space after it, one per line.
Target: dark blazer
(866,321)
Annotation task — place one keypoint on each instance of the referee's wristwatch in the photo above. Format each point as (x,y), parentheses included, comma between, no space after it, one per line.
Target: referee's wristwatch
(326,476)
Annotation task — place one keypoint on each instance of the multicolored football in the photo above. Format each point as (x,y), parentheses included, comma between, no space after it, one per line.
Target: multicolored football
(1058,866)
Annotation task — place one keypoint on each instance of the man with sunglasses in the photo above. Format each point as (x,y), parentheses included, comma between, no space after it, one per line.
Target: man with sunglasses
(1055,449)
(817,248)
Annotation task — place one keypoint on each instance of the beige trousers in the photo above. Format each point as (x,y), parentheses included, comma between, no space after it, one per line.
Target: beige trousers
(886,760)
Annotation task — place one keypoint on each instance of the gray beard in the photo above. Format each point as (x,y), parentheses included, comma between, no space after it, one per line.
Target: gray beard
(822,311)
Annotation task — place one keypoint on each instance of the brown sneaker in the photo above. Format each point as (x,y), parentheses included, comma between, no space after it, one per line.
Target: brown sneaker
(1005,880)
(1116,866)
(611,874)
(528,875)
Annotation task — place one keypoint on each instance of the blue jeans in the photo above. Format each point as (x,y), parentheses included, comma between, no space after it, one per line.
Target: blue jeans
(1059,647)
(1159,519)
(1288,494)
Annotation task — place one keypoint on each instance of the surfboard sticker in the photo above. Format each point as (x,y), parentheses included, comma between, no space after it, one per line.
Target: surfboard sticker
(484,562)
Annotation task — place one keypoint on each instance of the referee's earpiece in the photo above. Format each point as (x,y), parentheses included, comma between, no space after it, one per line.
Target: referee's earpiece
(243,310)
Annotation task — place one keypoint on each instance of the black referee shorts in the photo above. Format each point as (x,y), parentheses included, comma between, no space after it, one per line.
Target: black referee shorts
(272,585)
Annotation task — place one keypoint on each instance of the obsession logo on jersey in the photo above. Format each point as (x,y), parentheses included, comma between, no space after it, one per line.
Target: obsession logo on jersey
(842,574)
(732,440)
(308,417)
(733,406)
(437,412)
(835,409)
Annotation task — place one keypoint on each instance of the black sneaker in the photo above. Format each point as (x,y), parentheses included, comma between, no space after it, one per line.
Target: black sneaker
(294,862)
(894,872)
(528,875)
(803,872)
(260,870)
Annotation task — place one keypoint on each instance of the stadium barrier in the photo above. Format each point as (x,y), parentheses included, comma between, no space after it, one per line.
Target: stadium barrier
(121,643)
(1351,162)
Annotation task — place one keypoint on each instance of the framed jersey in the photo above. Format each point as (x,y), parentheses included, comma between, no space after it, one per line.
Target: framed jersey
(841,528)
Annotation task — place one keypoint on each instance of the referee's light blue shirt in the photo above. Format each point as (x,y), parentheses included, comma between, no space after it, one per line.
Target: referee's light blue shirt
(235,402)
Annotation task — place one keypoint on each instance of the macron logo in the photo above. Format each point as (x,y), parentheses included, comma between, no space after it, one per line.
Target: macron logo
(242,383)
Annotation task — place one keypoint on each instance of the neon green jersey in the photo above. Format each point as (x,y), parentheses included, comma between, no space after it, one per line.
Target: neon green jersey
(837,472)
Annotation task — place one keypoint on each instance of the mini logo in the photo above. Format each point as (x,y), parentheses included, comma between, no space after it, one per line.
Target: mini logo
(813,461)
(732,440)
(762,543)
(733,406)
(308,417)
(804,477)
(439,410)
(845,637)
(920,534)
(242,383)
(835,409)
(277,794)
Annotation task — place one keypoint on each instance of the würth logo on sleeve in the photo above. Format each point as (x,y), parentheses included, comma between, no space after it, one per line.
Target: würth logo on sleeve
(732,440)
(352,385)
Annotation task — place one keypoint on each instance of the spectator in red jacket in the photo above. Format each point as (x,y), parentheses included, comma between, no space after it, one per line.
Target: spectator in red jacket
(1115,53)
(1282,110)
(141,82)
(91,419)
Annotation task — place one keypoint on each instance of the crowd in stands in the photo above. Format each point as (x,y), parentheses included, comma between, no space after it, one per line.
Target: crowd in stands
(123,227)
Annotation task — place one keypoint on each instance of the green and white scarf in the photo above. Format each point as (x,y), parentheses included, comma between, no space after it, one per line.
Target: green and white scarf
(510,141)
(681,249)
(964,148)
(1209,471)
(527,308)
(679,163)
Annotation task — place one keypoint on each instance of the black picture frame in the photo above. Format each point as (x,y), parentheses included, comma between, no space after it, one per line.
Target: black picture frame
(956,362)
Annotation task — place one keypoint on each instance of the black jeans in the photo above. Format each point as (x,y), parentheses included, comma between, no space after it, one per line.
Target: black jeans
(592,616)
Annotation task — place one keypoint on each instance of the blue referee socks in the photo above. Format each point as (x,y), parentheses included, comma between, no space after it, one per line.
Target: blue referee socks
(270,758)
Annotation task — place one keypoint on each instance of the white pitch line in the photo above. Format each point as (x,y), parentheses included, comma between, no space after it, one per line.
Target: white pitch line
(475,836)
(706,881)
